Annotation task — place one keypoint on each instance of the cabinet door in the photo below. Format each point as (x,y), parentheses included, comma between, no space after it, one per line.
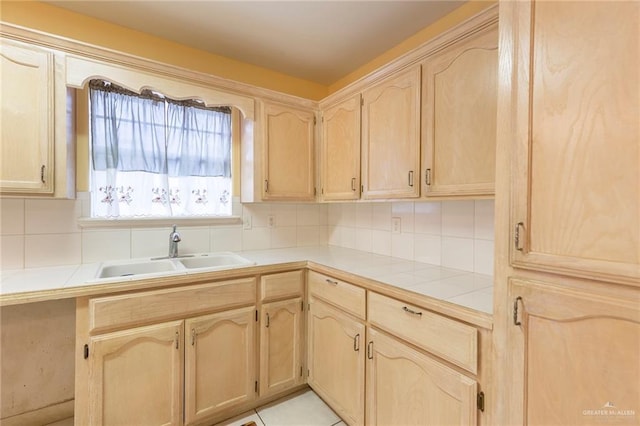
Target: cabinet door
(460,97)
(27,116)
(136,376)
(576,101)
(406,387)
(336,360)
(576,356)
(280,346)
(341,151)
(220,362)
(391,137)
(288,153)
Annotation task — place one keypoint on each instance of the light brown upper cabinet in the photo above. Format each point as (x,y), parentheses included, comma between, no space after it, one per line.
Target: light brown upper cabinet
(341,150)
(391,137)
(575,102)
(460,95)
(288,172)
(28,118)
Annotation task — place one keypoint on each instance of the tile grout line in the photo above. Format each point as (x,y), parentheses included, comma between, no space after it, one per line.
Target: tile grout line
(258,414)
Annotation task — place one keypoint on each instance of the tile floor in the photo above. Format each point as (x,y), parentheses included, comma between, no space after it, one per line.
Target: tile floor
(304,408)
(301,409)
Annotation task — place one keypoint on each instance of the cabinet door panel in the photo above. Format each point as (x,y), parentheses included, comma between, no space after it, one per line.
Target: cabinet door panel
(27,116)
(391,137)
(220,363)
(289,155)
(577,165)
(406,387)
(136,376)
(460,95)
(341,151)
(336,361)
(570,340)
(280,346)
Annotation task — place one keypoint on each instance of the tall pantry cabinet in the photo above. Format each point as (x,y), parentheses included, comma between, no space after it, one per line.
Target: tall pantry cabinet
(568,213)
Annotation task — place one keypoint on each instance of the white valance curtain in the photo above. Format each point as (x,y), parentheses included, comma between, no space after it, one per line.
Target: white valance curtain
(153,156)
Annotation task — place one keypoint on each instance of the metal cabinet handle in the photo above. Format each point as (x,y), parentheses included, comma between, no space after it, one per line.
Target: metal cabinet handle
(518,237)
(266,185)
(515,311)
(177,338)
(411,311)
(331,282)
(267,320)
(427,177)
(353,184)
(42,173)
(193,336)
(356,342)
(370,350)
(411,178)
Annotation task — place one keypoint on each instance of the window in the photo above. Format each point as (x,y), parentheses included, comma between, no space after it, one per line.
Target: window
(152,156)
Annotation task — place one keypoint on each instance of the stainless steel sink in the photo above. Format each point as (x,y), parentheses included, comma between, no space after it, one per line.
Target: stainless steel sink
(126,269)
(215,261)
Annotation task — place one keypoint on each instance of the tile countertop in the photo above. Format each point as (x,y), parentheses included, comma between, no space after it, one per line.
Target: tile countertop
(471,291)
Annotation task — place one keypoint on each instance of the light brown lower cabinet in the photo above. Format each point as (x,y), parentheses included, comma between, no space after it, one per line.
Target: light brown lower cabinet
(407,387)
(281,346)
(136,376)
(336,360)
(220,363)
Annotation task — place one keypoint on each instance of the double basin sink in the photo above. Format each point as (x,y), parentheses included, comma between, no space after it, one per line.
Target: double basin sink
(140,268)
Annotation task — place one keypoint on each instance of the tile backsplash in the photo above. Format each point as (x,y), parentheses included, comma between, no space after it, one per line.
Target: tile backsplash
(455,234)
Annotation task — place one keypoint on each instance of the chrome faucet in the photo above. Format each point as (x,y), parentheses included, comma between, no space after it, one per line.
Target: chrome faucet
(174,239)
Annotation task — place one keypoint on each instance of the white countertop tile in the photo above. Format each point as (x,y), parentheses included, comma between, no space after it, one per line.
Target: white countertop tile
(462,288)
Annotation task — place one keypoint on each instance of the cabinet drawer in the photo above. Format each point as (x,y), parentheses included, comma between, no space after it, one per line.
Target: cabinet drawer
(446,338)
(278,286)
(344,295)
(150,306)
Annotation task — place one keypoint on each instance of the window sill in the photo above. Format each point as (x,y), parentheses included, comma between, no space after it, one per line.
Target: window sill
(95,223)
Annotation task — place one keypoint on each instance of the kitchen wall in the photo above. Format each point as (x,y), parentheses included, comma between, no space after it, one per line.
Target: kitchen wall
(38,233)
(454,234)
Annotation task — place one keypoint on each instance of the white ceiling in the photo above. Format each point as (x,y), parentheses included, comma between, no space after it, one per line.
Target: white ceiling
(320,41)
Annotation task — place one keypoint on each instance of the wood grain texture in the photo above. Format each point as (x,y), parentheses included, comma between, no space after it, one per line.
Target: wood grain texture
(27,93)
(426,330)
(459,117)
(407,387)
(288,153)
(220,366)
(347,297)
(578,150)
(336,369)
(145,307)
(282,285)
(341,150)
(281,346)
(580,355)
(391,137)
(136,376)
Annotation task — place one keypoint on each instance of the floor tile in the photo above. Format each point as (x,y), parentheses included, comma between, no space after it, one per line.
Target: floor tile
(242,419)
(306,409)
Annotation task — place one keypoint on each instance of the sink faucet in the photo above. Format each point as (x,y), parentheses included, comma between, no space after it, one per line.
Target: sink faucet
(174,239)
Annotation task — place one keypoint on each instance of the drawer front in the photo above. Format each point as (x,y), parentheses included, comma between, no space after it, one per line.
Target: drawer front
(157,305)
(446,338)
(280,286)
(347,296)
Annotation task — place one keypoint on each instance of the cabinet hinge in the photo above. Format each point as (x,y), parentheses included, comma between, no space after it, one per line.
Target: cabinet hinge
(256,315)
(480,401)
(86,351)
(256,386)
